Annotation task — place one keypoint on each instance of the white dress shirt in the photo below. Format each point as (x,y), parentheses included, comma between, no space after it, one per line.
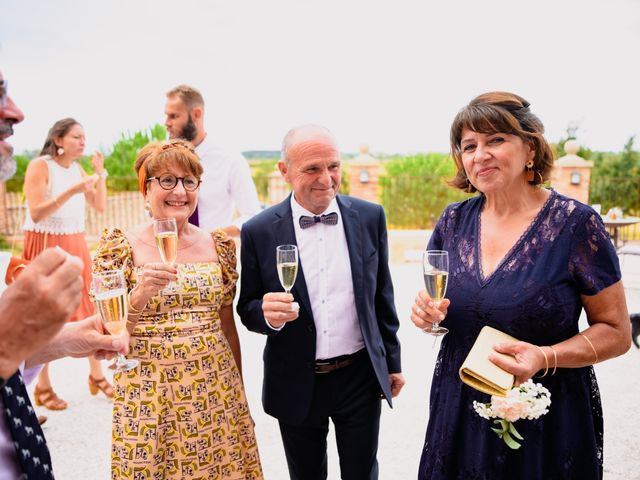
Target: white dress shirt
(226,186)
(324,257)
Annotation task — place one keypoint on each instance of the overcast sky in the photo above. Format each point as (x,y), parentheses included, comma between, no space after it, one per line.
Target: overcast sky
(390,74)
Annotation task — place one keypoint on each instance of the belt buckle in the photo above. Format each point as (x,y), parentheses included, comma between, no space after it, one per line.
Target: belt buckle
(331,366)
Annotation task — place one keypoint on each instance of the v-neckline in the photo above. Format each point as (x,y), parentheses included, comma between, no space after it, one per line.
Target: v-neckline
(479,270)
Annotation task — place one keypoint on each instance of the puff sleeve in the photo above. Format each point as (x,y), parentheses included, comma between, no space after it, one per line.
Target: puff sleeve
(114,253)
(226,250)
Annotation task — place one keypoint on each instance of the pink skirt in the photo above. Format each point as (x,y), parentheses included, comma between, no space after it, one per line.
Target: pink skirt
(75,244)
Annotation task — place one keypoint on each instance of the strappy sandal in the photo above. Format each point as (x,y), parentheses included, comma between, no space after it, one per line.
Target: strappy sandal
(102,385)
(48,398)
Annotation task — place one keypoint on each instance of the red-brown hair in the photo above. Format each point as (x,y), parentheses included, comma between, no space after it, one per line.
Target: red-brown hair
(156,155)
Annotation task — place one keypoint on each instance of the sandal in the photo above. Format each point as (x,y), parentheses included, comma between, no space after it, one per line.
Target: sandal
(48,398)
(102,385)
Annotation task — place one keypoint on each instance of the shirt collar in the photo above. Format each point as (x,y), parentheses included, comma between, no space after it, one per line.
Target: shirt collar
(298,210)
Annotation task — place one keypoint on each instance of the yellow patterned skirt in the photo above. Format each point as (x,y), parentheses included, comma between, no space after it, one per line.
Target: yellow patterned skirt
(183,413)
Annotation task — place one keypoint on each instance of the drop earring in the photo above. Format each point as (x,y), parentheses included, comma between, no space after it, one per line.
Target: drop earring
(530,172)
(60,151)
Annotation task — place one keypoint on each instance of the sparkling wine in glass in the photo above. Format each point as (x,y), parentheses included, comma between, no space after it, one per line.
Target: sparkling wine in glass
(166,233)
(435,268)
(287,264)
(111,298)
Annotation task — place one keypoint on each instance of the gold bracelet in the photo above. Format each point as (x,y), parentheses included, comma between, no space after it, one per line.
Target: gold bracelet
(555,360)
(546,361)
(55,200)
(591,345)
(133,310)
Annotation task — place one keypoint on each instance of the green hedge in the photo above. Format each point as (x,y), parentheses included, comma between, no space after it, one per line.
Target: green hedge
(414,191)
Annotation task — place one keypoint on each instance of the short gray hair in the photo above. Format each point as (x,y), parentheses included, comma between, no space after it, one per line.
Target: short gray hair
(287,141)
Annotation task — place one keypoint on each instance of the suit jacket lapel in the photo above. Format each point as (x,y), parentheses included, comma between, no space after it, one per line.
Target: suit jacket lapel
(286,235)
(353,232)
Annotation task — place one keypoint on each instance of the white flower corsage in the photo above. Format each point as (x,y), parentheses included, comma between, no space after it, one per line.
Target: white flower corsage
(526,401)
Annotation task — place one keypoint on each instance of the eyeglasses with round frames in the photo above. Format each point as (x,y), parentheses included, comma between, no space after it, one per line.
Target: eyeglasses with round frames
(169,182)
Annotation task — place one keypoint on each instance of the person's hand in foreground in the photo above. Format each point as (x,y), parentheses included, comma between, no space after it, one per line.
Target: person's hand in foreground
(36,306)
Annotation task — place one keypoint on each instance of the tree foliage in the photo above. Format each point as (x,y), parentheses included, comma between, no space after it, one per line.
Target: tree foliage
(120,161)
(414,191)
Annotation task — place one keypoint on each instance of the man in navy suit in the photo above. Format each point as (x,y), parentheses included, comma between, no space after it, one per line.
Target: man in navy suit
(333,353)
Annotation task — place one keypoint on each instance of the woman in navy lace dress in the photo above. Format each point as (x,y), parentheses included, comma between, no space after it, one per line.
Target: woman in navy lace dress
(525,260)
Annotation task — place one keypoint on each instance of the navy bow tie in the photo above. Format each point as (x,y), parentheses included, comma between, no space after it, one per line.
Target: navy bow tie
(328,219)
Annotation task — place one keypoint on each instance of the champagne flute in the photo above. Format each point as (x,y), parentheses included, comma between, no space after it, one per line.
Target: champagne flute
(287,264)
(166,233)
(111,297)
(435,268)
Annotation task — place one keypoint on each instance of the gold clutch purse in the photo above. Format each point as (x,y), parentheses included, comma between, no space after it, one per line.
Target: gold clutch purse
(479,372)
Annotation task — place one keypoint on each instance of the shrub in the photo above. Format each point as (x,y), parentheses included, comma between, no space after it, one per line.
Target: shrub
(414,191)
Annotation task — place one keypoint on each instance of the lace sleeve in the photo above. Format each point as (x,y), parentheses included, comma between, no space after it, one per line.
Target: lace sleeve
(114,253)
(226,250)
(593,262)
(444,227)
(435,241)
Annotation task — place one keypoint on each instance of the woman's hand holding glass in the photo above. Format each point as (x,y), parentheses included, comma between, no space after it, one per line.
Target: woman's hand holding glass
(435,270)
(153,278)
(424,312)
(165,231)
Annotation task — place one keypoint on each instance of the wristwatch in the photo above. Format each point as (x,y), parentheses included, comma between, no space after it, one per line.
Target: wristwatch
(103,173)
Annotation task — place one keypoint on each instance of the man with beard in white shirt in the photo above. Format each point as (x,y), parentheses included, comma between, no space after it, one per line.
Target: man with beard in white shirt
(226,182)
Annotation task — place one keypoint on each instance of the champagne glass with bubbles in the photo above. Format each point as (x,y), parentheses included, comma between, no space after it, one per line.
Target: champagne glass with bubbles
(435,267)
(287,264)
(166,233)
(111,297)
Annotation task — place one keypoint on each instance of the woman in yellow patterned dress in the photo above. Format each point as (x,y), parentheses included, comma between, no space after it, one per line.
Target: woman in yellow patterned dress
(182,413)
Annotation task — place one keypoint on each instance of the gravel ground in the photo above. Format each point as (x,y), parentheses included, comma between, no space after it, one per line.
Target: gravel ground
(79,437)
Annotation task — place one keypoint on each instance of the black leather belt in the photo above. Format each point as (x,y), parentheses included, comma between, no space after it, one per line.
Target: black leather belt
(330,364)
